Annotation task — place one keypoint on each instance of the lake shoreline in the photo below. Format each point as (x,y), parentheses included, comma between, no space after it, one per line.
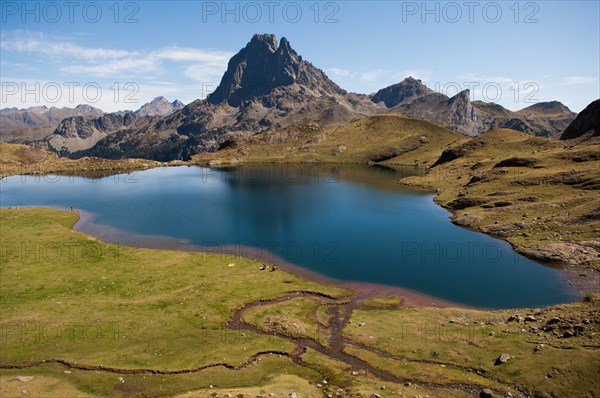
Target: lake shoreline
(362,290)
(571,275)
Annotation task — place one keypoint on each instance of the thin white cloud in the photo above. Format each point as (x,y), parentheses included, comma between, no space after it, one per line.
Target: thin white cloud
(183,54)
(71,58)
(29,42)
(113,68)
(572,80)
(371,75)
(339,72)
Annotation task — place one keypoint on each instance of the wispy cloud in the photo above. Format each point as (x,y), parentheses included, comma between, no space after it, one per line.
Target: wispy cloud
(34,42)
(370,76)
(339,72)
(573,80)
(72,58)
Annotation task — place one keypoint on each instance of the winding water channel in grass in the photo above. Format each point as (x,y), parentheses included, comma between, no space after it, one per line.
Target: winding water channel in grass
(351,223)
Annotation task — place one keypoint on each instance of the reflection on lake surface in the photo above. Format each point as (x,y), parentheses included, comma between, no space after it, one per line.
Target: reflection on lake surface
(350,223)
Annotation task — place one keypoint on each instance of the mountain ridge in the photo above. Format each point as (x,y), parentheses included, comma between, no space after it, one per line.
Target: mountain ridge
(267,87)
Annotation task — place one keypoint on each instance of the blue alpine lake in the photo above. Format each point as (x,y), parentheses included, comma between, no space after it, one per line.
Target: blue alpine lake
(352,223)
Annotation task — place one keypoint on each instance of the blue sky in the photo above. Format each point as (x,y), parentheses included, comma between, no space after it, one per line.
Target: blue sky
(121,55)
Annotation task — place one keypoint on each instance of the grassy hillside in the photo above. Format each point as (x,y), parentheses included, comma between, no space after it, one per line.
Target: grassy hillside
(541,195)
(81,317)
(374,139)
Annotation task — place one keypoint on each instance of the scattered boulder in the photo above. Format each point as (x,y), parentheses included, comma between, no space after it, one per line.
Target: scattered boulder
(553,320)
(338,150)
(24,379)
(486,393)
(474,180)
(503,359)
(464,202)
(530,318)
(316,139)
(538,348)
(467,221)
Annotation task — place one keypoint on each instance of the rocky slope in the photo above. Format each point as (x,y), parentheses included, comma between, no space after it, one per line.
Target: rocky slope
(587,123)
(35,123)
(413,99)
(75,134)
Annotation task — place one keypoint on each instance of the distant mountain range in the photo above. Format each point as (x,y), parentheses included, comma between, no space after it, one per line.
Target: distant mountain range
(413,99)
(66,130)
(37,116)
(267,86)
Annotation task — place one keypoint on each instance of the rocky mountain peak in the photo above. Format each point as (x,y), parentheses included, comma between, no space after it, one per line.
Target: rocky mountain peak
(159,106)
(549,107)
(462,111)
(400,92)
(264,65)
(267,41)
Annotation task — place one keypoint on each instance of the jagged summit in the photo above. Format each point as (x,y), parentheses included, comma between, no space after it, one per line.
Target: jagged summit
(264,65)
(159,106)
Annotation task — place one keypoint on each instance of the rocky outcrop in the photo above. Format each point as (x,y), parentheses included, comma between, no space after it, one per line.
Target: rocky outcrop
(78,133)
(586,123)
(516,162)
(406,90)
(565,253)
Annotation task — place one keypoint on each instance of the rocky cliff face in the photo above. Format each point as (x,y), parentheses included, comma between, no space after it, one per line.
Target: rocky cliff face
(405,91)
(587,123)
(75,134)
(413,99)
(263,66)
(78,133)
